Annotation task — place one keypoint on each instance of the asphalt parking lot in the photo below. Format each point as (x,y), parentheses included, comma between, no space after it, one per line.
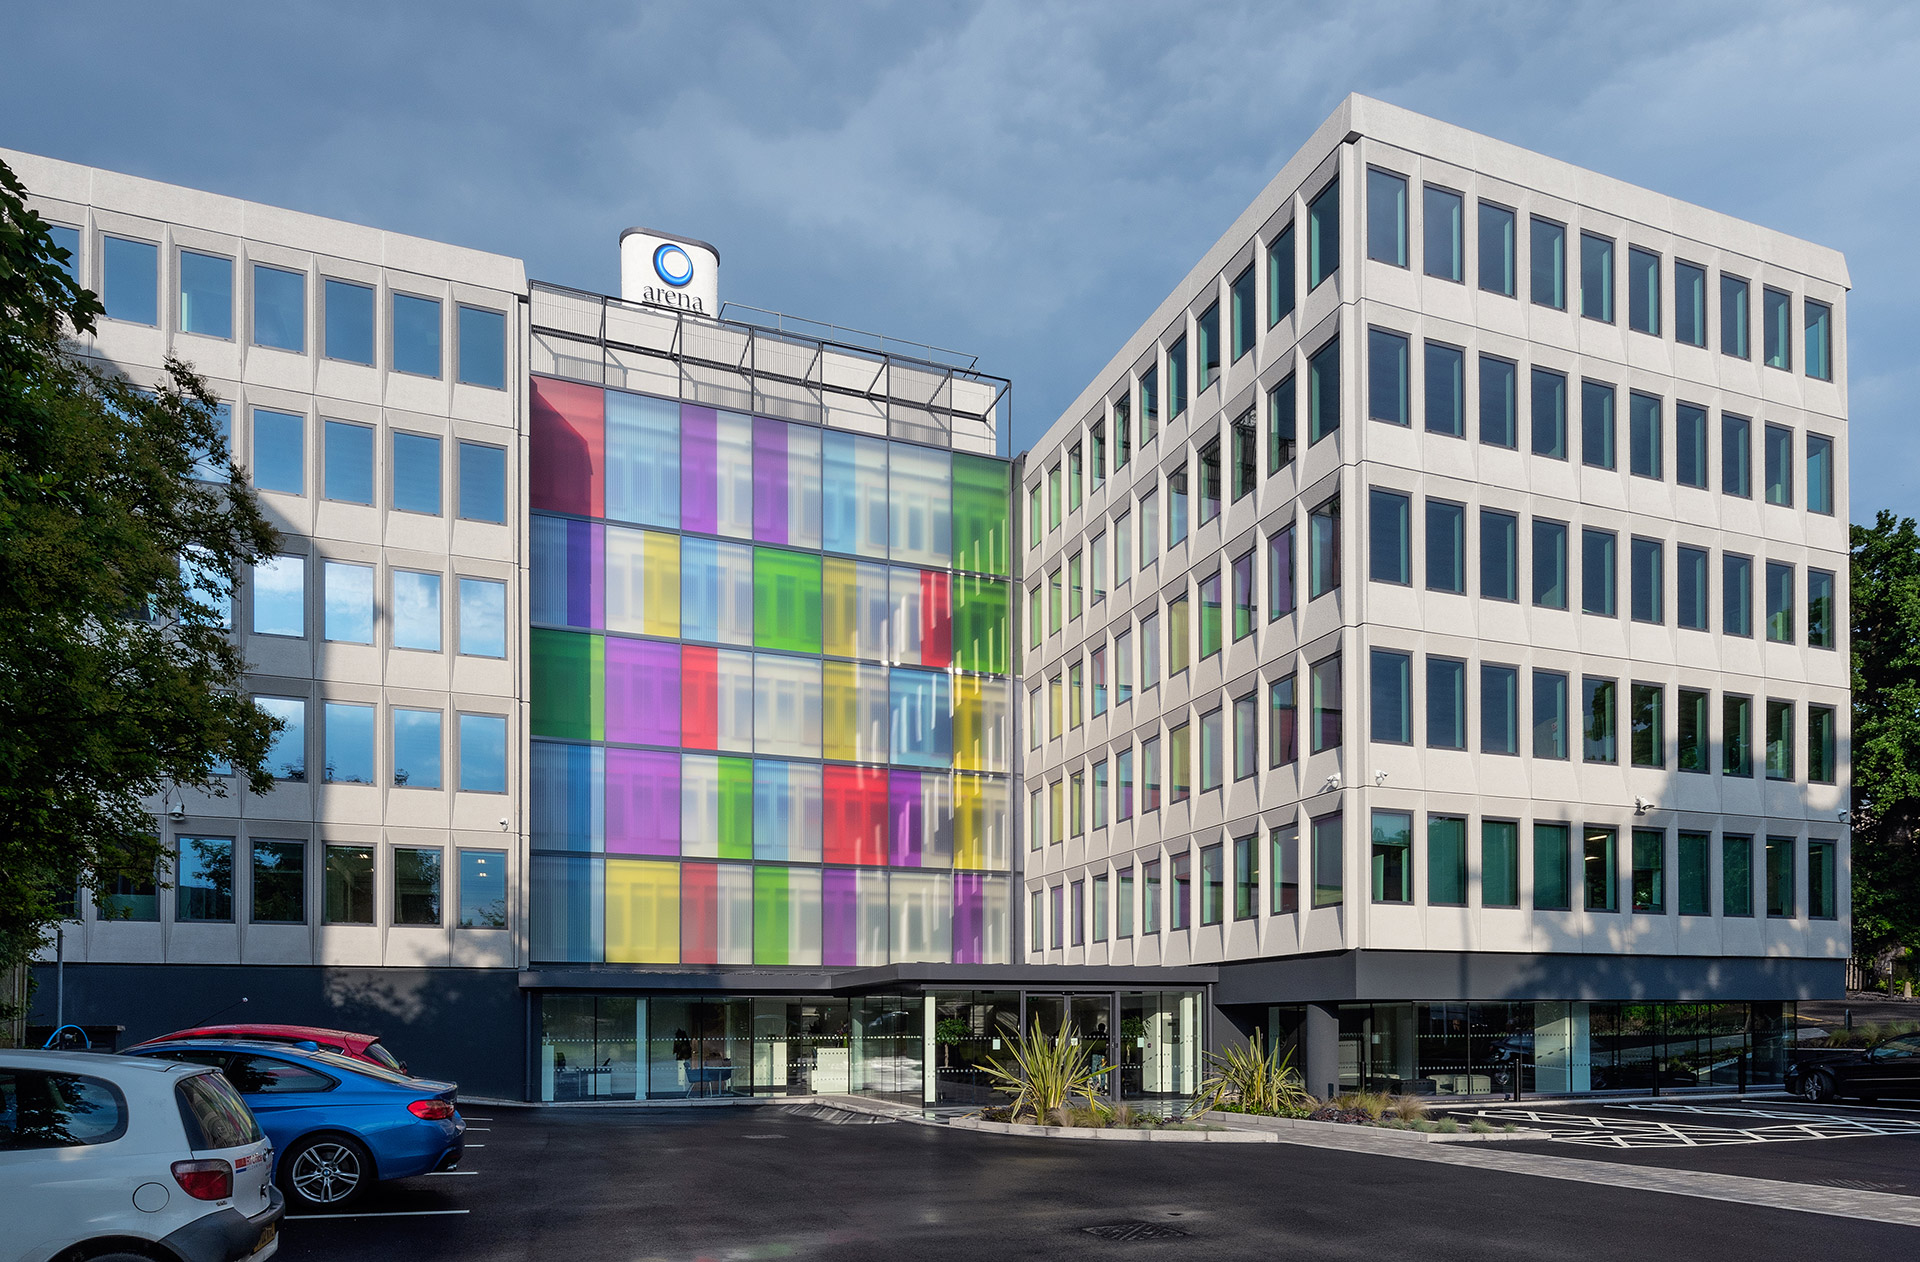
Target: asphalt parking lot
(772,1182)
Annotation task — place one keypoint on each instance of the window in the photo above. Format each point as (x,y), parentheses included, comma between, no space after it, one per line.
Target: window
(416,473)
(1691,576)
(1598,564)
(1037,921)
(1180,762)
(1778,458)
(416,611)
(1647,579)
(483,753)
(1325,718)
(1780,874)
(1323,548)
(1056,812)
(1552,885)
(1177,506)
(349,743)
(1246,877)
(1689,304)
(1213,884)
(1123,784)
(1779,603)
(1149,651)
(1821,871)
(416,335)
(1499,555)
(1596,278)
(483,889)
(1283,845)
(1329,866)
(1446,394)
(1392,687)
(1282,722)
(1056,703)
(1280,285)
(1244,618)
(1690,445)
(203,879)
(348,593)
(1245,458)
(1499,402)
(349,462)
(1392,863)
(1779,740)
(1596,425)
(1177,378)
(1643,290)
(1389,536)
(1548,246)
(1444,234)
(1736,736)
(1496,249)
(416,748)
(1100,794)
(206,294)
(1694,736)
(287,755)
(1280,588)
(1601,731)
(1649,870)
(1821,768)
(483,347)
(1736,595)
(130,286)
(1387,377)
(279,308)
(1097,453)
(1209,480)
(1033,515)
(1122,548)
(66,241)
(1549,564)
(279,452)
(1820,609)
(1182,909)
(1150,897)
(1179,628)
(1647,730)
(1280,425)
(1499,863)
(347,331)
(1077,913)
(1446,861)
(1100,881)
(1600,865)
(1076,688)
(279,882)
(1208,362)
(280,596)
(1098,660)
(1323,392)
(1644,444)
(1076,477)
(1819,341)
(1736,876)
(1054,505)
(1056,605)
(1246,736)
(1150,774)
(1323,235)
(1819,475)
(1499,709)
(1123,668)
(1076,586)
(1446,703)
(1386,217)
(1549,414)
(1694,887)
(1123,904)
(416,886)
(1776,322)
(1736,456)
(1077,803)
(1735,316)
(348,885)
(483,618)
(1446,547)
(483,482)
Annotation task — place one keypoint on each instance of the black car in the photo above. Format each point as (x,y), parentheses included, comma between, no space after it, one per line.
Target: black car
(1888,1068)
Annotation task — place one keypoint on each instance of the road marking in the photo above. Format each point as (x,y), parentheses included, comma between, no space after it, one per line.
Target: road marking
(480,1128)
(1618,1132)
(472,1118)
(441,1174)
(475,1145)
(381,1213)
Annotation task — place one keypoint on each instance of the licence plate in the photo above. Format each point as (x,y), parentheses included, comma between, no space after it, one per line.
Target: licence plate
(266,1237)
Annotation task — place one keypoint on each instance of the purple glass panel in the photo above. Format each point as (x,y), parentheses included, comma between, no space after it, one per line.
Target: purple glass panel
(643,692)
(839,917)
(586,574)
(769,480)
(699,470)
(969,918)
(906,812)
(643,802)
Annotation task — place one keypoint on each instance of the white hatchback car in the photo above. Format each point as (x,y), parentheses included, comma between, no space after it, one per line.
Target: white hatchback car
(116,1158)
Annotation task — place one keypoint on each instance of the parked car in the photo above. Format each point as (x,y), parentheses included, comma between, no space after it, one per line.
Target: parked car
(107,1157)
(340,1125)
(367,1047)
(1888,1068)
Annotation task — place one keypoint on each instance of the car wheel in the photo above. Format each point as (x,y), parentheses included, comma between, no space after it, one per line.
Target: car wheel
(326,1172)
(1817,1088)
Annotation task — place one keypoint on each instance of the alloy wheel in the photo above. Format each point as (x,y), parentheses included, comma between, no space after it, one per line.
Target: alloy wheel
(326,1173)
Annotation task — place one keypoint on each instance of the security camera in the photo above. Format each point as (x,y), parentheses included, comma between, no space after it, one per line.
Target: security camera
(1379,777)
(177,814)
(1641,806)
(1333,782)
(503,824)
(1845,817)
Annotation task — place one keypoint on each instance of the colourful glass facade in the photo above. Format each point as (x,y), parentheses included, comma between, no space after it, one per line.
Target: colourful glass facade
(771,701)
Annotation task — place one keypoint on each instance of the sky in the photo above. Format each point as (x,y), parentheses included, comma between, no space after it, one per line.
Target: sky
(1023,181)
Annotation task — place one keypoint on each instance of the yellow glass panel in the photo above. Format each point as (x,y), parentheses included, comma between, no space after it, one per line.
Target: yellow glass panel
(839,610)
(969,734)
(841,718)
(643,911)
(662,580)
(969,823)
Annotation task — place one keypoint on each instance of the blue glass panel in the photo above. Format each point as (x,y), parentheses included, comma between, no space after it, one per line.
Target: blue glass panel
(567,916)
(131,284)
(483,482)
(416,748)
(483,753)
(349,462)
(279,452)
(567,796)
(349,322)
(416,335)
(416,473)
(279,308)
(349,743)
(643,459)
(67,239)
(483,618)
(920,718)
(854,494)
(206,294)
(483,347)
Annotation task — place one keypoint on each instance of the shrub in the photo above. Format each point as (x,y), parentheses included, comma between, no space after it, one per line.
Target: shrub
(1481,1126)
(1253,1079)
(1410,1108)
(1048,1073)
(1449,1127)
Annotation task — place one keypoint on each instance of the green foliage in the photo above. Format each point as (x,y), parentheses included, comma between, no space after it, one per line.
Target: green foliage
(950,1030)
(118,677)
(1253,1078)
(1884,624)
(1047,1073)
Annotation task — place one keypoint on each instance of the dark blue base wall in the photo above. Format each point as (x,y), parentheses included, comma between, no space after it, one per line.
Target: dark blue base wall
(468,1025)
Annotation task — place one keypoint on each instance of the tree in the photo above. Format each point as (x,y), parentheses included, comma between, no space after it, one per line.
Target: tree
(1885,625)
(123,525)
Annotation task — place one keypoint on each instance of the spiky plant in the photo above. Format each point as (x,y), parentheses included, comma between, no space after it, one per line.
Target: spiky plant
(1046,1074)
(1255,1078)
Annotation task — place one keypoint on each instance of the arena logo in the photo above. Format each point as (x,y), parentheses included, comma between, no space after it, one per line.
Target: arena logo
(674,266)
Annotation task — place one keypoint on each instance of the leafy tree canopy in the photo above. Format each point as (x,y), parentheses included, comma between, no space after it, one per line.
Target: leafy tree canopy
(1885,626)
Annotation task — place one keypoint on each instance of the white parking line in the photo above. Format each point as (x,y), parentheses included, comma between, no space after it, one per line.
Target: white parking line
(482,1129)
(391,1213)
(472,1118)
(442,1174)
(476,1145)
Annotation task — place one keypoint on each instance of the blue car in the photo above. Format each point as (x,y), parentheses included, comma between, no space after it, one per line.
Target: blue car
(337,1125)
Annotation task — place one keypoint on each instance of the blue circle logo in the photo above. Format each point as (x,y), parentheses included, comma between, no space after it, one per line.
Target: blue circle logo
(672,265)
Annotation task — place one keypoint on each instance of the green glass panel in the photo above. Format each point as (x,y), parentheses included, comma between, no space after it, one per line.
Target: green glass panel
(980,619)
(982,515)
(736,808)
(569,680)
(786,600)
(770,908)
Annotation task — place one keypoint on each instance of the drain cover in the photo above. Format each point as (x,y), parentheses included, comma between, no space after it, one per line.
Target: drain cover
(1134,1231)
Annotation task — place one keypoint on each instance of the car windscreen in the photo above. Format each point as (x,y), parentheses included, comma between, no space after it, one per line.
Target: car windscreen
(334,1061)
(213,1113)
(380,1053)
(42,1110)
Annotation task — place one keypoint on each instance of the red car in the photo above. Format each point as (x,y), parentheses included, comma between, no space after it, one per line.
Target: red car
(366,1047)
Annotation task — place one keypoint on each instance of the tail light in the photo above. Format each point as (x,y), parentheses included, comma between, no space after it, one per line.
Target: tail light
(210,1180)
(431,1110)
